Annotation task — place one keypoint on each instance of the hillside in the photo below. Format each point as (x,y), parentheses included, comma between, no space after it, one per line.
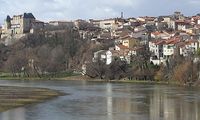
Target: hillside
(45,52)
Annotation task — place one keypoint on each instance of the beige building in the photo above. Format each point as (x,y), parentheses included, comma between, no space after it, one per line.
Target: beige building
(96,23)
(112,24)
(68,24)
(130,42)
(19,24)
(108,24)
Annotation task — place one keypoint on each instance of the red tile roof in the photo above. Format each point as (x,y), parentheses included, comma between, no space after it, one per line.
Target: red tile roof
(173,40)
(158,42)
(161,42)
(196,18)
(156,33)
(183,22)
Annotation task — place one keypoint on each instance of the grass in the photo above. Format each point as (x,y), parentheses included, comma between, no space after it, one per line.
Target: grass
(57,76)
(76,76)
(130,81)
(138,82)
(12,97)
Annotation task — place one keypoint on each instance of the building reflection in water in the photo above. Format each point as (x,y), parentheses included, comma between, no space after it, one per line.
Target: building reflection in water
(154,104)
(17,114)
(173,106)
(120,107)
(109,102)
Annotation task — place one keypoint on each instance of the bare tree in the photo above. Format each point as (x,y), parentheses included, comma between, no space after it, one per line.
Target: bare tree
(117,69)
(96,69)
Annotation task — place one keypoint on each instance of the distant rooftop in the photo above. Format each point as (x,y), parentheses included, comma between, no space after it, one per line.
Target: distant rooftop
(26,15)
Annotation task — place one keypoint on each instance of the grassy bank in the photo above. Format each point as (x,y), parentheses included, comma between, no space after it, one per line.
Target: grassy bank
(131,81)
(88,79)
(80,77)
(85,78)
(12,97)
(75,76)
(57,76)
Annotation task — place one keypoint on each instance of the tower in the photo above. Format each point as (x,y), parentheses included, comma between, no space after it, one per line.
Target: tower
(122,15)
(8,22)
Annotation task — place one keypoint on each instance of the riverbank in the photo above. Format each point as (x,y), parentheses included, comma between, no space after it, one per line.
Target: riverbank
(88,79)
(20,76)
(12,97)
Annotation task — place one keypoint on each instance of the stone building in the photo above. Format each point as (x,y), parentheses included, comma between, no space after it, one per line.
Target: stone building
(19,24)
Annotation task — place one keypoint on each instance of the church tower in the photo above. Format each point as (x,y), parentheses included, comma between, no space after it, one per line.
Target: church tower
(122,15)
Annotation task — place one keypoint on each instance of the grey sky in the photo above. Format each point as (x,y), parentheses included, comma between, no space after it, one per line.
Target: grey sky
(73,9)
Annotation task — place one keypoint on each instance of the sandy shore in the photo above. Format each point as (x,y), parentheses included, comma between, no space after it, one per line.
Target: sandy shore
(12,97)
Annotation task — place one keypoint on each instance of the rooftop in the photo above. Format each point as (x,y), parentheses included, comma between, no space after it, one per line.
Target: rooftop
(173,40)
(26,15)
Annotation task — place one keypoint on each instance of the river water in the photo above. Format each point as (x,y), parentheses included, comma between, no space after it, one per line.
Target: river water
(107,101)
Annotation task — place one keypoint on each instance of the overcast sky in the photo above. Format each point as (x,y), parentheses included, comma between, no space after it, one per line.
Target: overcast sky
(85,9)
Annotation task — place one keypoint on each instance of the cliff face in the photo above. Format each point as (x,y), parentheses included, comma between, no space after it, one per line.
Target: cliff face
(9,40)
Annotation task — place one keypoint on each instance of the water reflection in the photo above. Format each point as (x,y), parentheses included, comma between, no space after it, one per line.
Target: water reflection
(109,102)
(91,101)
(153,104)
(173,106)
(17,114)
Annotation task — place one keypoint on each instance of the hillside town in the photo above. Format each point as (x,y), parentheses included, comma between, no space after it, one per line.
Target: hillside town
(156,39)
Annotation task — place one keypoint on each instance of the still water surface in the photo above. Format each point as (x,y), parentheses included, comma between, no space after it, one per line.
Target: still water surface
(106,101)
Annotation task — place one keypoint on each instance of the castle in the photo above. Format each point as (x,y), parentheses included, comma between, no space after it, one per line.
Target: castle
(19,24)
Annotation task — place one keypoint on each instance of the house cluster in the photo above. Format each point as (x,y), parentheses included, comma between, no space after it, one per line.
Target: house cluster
(162,37)
(162,49)
(125,49)
(125,40)
(121,37)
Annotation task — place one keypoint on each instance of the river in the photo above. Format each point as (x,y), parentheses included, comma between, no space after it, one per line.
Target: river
(109,101)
